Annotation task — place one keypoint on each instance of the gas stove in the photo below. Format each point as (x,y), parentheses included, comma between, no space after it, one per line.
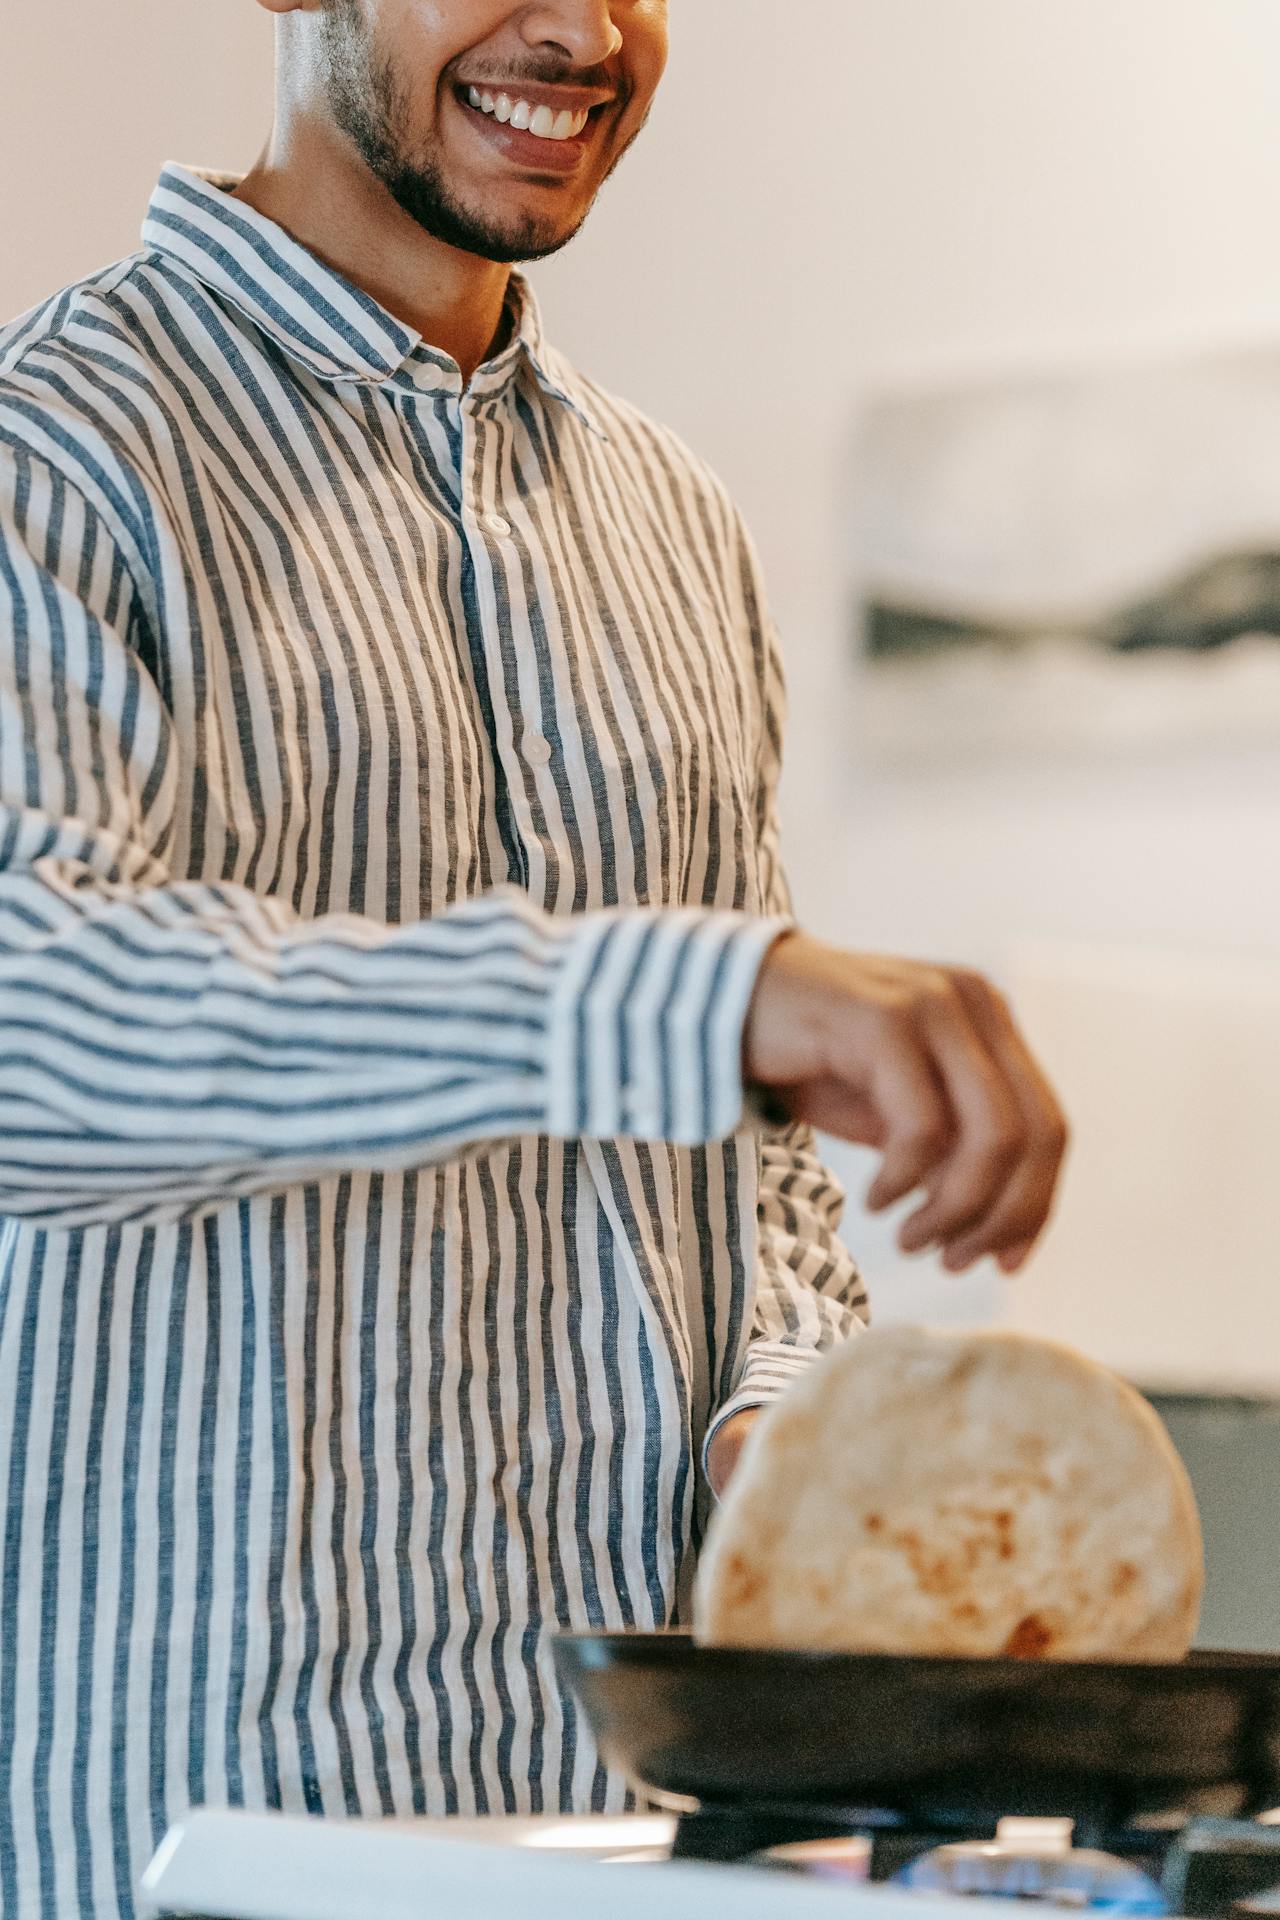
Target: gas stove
(757,1864)
(1203,1867)
(800,1780)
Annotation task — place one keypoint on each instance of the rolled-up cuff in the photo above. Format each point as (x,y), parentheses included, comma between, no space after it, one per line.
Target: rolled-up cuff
(767,1373)
(646,1022)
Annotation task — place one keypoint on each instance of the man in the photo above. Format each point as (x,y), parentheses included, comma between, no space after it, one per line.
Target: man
(390,917)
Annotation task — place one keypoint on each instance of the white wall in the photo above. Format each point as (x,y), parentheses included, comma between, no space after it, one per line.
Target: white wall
(1003,181)
(93,98)
(840,195)
(831,193)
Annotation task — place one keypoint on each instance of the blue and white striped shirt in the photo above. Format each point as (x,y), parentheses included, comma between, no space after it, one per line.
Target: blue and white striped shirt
(388,847)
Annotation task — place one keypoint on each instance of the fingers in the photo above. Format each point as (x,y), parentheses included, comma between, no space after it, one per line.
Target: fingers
(917,1126)
(1014,1257)
(904,1113)
(961,1110)
(1013,1225)
(925,1064)
(968,1188)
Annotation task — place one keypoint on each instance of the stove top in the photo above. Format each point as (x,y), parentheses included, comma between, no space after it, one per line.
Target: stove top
(248,1866)
(758,1864)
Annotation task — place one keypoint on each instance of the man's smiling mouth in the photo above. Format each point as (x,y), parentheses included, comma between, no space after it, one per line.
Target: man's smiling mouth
(525,116)
(536,136)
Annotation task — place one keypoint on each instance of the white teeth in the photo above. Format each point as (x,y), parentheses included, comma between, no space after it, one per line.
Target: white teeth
(540,121)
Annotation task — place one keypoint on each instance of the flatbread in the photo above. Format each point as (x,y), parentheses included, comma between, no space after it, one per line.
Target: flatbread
(957,1493)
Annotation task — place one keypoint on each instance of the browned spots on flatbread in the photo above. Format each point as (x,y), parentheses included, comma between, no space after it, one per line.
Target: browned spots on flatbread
(874,1523)
(746,1581)
(988,1533)
(934,1573)
(1030,1450)
(1123,1578)
(1031,1639)
(998,1517)
(940,1574)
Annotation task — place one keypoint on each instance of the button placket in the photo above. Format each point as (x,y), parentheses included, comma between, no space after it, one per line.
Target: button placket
(518,751)
(486,514)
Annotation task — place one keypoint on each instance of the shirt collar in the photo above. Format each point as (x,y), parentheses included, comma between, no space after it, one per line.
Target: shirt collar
(318,317)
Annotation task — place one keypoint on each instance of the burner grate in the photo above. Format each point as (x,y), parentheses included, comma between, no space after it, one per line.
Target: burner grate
(1206,1867)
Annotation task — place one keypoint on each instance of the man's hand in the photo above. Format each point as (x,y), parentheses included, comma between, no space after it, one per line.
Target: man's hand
(727,1443)
(926,1064)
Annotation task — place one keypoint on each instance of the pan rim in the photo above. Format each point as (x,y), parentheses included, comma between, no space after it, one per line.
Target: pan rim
(1200,1663)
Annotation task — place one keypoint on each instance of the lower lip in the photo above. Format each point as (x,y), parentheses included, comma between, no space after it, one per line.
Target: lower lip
(540,156)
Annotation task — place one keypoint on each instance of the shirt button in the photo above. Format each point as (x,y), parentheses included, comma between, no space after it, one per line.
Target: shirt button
(537,749)
(496,524)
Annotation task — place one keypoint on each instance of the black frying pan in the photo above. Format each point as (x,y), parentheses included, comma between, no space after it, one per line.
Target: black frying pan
(943,1740)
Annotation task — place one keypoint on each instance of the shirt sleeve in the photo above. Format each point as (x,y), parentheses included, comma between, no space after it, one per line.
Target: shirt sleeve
(167,1043)
(809,1291)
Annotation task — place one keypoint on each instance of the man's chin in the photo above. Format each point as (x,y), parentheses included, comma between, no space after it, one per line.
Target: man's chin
(531,238)
(511,255)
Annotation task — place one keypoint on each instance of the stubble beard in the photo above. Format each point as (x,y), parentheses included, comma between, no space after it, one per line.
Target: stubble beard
(370,104)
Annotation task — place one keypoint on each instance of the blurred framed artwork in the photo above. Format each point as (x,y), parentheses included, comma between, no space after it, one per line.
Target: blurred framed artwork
(1071,563)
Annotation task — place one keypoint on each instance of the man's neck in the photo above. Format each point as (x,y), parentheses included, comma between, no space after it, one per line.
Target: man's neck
(327,200)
